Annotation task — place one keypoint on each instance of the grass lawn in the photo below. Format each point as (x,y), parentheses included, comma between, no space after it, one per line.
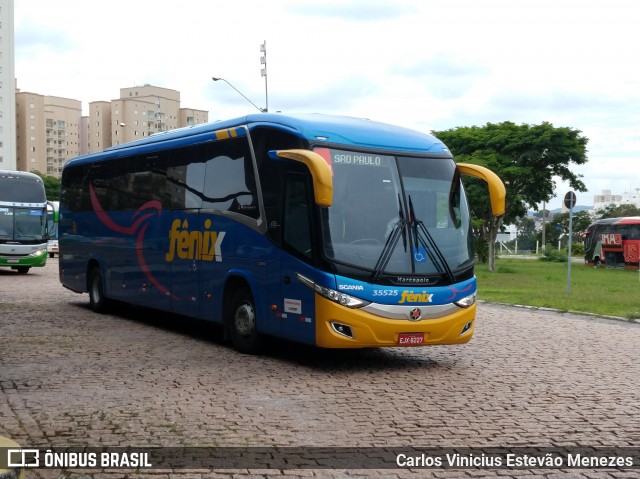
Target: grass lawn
(611,292)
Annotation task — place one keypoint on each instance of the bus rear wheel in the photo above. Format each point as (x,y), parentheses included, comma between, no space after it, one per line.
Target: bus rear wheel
(242,325)
(98,302)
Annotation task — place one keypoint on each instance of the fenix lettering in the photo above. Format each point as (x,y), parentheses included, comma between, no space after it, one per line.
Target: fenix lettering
(194,244)
(409,297)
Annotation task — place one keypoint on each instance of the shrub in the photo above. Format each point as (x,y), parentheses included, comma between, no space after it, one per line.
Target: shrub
(577,249)
(554,256)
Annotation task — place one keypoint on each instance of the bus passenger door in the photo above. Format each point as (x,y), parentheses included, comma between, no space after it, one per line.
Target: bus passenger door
(298,301)
(184,259)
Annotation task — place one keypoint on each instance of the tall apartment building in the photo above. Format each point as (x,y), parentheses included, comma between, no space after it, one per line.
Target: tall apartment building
(51,130)
(606,198)
(7,88)
(39,132)
(140,111)
(47,132)
(98,126)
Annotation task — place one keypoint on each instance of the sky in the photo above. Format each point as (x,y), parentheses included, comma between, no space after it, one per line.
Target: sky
(424,64)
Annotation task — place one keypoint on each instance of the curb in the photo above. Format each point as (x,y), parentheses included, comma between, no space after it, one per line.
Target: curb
(559,311)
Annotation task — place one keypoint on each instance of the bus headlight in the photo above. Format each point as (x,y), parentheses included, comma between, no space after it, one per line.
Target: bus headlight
(466,301)
(38,252)
(335,296)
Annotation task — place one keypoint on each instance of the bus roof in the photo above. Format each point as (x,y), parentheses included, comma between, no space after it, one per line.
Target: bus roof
(625,220)
(20,174)
(21,188)
(342,130)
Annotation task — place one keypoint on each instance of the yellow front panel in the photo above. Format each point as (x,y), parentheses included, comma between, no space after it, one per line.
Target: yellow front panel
(374,331)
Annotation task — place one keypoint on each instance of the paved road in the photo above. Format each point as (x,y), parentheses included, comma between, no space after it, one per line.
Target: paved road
(69,377)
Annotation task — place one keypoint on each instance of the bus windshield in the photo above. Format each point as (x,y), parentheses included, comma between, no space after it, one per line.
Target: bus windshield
(22,224)
(396,215)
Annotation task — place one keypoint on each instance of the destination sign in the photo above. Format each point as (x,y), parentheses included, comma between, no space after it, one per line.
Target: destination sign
(359,159)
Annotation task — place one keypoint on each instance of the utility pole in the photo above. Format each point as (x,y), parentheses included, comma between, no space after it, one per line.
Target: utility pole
(544,227)
(569,202)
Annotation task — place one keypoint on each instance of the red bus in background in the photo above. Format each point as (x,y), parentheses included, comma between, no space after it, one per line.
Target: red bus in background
(613,242)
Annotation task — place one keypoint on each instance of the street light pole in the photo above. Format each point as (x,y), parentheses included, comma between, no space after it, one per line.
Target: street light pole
(263,72)
(122,126)
(241,94)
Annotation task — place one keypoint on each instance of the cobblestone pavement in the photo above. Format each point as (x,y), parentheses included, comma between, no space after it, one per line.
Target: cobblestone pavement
(70,377)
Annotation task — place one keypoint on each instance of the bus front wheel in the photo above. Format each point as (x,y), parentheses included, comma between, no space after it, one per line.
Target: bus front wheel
(98,302)
(242,325)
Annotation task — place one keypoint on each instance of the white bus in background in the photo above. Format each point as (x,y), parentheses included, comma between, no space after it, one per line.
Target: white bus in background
(53,208)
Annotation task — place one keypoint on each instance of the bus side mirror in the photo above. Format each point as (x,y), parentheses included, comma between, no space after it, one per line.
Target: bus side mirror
(320,172)
(497,192)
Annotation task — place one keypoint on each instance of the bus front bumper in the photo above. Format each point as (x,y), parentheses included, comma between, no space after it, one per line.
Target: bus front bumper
(341,327)
(32,260)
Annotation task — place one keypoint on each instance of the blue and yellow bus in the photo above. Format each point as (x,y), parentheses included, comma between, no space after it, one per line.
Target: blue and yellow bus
(23,221)
(332,231)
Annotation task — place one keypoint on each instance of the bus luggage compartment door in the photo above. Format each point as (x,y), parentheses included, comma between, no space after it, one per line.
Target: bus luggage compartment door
(184,260)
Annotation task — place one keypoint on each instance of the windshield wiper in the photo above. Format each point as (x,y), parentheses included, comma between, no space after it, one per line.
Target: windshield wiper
(399,228)
(428,243)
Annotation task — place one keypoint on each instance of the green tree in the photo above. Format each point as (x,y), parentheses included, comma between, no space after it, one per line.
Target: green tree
(617,211)
(558,227)
(526,233)
(51,185)
(526,157)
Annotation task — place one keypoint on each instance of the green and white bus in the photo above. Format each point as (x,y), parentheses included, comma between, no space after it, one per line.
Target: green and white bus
(23,221)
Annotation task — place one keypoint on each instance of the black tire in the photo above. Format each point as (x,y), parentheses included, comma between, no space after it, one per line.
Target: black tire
(23,269)
(97,300)
(242,324)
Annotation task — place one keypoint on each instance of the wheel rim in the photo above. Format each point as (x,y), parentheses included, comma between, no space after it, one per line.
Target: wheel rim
(245,319)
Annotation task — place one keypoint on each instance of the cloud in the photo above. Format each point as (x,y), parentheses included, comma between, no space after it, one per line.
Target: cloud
(31,38)
(334,97)
(355,10)
(424,65)
(442,76)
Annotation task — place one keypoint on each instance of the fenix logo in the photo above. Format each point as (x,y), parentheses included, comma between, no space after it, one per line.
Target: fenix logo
(409,297)
(194,244)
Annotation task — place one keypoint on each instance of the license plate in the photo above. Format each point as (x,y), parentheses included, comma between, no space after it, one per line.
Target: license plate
(12,261)
(410,339)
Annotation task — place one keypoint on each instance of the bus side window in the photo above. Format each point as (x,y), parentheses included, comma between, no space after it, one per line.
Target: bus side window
(74,189)
(230,183)
(624,233)
(185,177)
(297,230)
(271,179)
